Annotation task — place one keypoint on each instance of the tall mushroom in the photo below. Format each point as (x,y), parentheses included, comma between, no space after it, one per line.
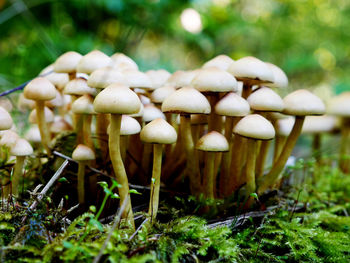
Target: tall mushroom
(157,132)
(41,90)
(117,100)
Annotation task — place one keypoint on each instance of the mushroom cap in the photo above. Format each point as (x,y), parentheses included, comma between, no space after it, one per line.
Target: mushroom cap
(213,142)
(340,105)
(280,78)
(221,61)
(39,89)
(79,87)
(158,77)
(5,119)
(117,99)
(49,116)
(6,103)
(59,80)
(139,113)
(265,99)
(23,103)
(83,105)
(67,62)
(60,125)
(122,61)
(129,126)
(83,153)
(255,126)
(103,77)
(214,80)
(8,138)
(302,102)
(21,148)
(284,126)
(251,68)
(158,131)
(92,61)
(33,134)
(181,78)
(46,70)
(55,102)
(319,124)
(232,105)
(151,112)
(137,79)
(160,94)
(186,100)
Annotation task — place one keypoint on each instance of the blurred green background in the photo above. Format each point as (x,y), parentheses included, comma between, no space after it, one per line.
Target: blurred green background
(309,39)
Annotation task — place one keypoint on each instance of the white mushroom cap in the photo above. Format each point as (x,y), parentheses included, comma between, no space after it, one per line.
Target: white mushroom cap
(24,103)
(159,95)
(6,104)
(213,142)
(181,78)
(256,127)
(83,153)
(21,148)
(280,78)
(151,112)
(92,61)
(103,77)
(158,131)
(5,119)
(39,89)
(158,77)
(265,99)
(124,62)
(55,102)
(221,61)
(59,80)
(319,124)
(340,105)
(49,116)
(33,134)
(232,105)
(67,62)
(137,79)
(83,105)
(8,138)
(79,87)
(129,126)
(284,126)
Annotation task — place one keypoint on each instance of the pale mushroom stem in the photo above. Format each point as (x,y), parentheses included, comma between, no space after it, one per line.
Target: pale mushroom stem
(261,158)
(44,131)
(192,165)
(81,181)
(250,166)
(87,118)
(279,143)
(17,174)
(101,132)
(214,122)
(123,145)
(278,166)
(155,183)
(210,175)
(80,128)
(118,166)
(236,164)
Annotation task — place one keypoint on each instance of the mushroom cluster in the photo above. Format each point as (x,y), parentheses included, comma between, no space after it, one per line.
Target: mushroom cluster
(209,130)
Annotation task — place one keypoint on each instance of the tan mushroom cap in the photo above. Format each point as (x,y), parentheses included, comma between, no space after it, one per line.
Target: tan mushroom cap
(49,116)
(139,113)
(121,61)
(67,62)
(137,79)
(319,124)
(59,80)
(56,102)
(280,78)
(6,103)
(340,105)
(251,68)
(33,134)
(160,94)
(83,105)
(232,105)
(151,112)
(79,87)
(117,99)
(158,131)
(83,153)
(214,80)
(5,120)
(284,126)
(129,126)
(213,142)
(92,61)
(221,61)
(103,77)
(158,77)
(23,103)
(8,138)
(186,100)
(21,148)
(39,89)
(181,78)
(265,99)
(256,127)
(46,70)
(302,102)
(60,125)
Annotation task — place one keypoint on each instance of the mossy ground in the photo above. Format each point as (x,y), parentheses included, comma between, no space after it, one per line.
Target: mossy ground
(307,221)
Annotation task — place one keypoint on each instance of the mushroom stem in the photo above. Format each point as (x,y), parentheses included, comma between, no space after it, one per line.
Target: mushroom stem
(279,143)
(236,164)
(250,166)
(79,128)
(101,132)
(17,174)
(261,158)
(81,181)
(87,118)
(44,131)
(246,91)
(209,175)
(214,122)
(278,166)
(155,183)
(192,165)
(118,167)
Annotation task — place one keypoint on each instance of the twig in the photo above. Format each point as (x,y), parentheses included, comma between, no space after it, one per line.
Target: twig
(47,187)
(138,229)
(115,223)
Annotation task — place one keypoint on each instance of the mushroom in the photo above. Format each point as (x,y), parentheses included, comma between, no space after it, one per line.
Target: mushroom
(298,103)
(5,120)
(158,77)
(157,132)
(121,62)
(82,154)
(92,61)
(117,100)
(67,63)
(41,90)
(221,62)
(20,149)
(211,143)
